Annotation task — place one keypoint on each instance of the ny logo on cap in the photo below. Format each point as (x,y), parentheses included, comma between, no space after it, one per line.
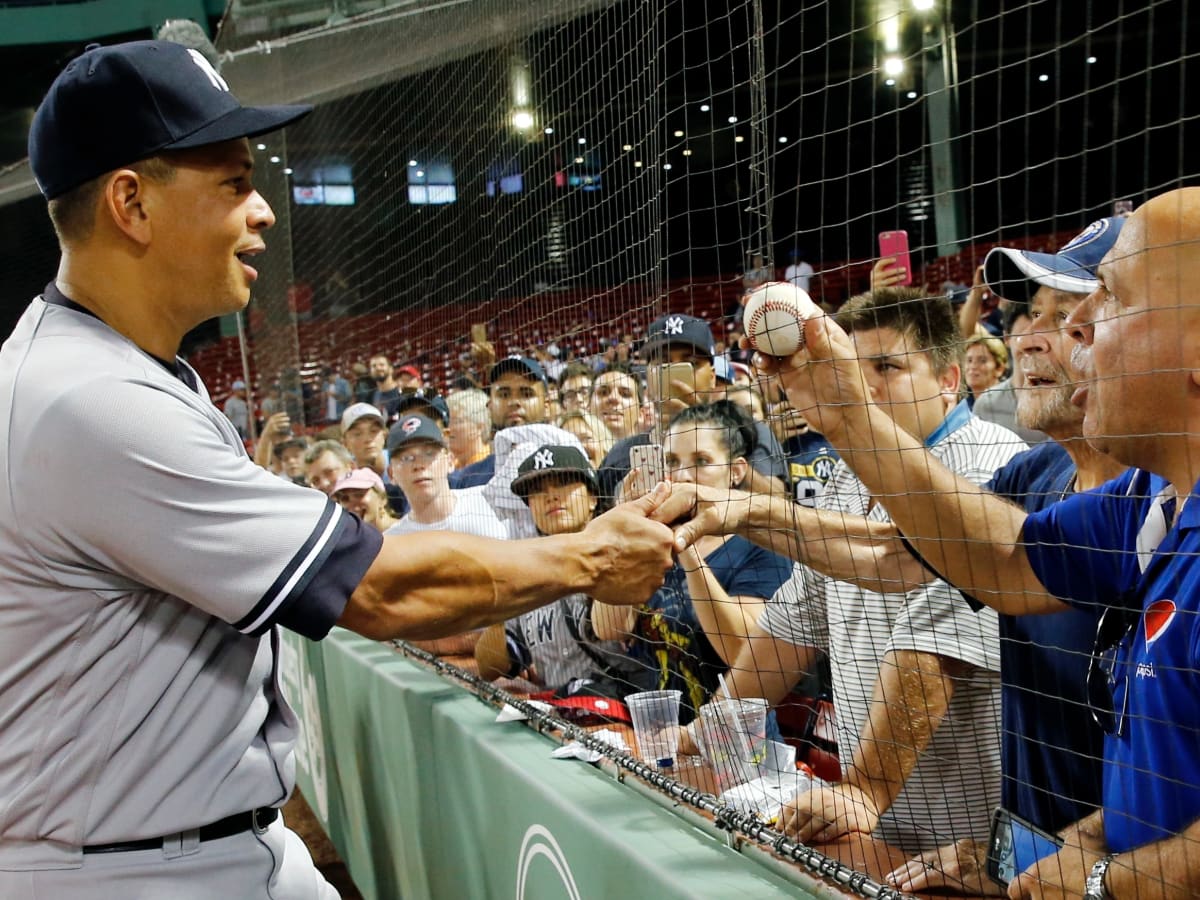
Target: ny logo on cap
(673,325)
(543,459)
(206,67)
(411,424)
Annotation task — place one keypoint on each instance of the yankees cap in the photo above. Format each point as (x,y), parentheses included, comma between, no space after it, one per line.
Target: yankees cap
(413,428)
(676,328)
(1017,274)
(552,459)
(113,106)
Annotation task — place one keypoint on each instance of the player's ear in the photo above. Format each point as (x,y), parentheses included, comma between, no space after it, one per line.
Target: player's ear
(123,202)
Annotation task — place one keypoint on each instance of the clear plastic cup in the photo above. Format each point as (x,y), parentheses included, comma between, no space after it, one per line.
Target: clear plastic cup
(655,717)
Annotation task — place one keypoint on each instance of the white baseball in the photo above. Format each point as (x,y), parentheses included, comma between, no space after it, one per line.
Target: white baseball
(774,318)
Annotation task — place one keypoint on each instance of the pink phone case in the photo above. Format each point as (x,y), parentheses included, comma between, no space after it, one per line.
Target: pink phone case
(895,243)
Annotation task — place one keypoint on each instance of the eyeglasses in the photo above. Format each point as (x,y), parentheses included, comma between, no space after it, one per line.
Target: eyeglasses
(1115,625)
(424,454)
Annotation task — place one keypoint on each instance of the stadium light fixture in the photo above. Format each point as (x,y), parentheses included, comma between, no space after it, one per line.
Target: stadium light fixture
(1043,77)
(1091,59)
(667,166)
(911,95)
(522,119)
(627,147)
(704,107)
(274,159)
(412,162)
(288,171)
(261,146)
(890,82)
(547,130)
(739,139)
(922,5)
(420,173)
(783,139)
(637,163)
(687,152)
(678,133)
(579,160)
(583,140)
(731,120)
(893,65)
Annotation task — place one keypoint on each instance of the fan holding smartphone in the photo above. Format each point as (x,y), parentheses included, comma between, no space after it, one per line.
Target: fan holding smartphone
(894,267)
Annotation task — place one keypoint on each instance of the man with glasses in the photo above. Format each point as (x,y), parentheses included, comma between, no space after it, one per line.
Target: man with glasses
(1126,546)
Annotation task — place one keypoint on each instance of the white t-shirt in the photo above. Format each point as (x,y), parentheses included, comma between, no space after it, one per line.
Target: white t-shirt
(799,274)
(956,781)
(472,515)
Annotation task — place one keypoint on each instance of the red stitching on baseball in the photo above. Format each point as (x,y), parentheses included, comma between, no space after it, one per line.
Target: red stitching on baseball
(771,305)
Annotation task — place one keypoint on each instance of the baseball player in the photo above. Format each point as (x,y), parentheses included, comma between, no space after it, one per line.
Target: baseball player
(147,746)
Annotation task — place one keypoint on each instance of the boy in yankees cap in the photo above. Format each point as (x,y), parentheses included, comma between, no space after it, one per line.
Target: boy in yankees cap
(147,747)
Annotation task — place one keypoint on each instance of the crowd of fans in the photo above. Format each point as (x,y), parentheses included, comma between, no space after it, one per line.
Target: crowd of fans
(943,709)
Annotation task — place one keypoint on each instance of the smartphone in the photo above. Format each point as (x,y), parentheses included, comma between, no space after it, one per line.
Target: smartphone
(647,463)
(895,243)
(479,333)
(1015,844)
(662,377)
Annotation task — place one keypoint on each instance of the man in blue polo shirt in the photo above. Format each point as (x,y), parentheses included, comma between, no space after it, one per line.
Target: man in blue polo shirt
(1123,548)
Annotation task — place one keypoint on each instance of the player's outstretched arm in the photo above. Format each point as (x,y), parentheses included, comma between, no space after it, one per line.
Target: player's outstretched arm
(437,583)
(967,534)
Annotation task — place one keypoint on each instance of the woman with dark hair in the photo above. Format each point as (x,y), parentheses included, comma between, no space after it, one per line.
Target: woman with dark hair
(690,629)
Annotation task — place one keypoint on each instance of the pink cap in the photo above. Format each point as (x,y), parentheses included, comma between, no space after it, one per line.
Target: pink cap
(359,479)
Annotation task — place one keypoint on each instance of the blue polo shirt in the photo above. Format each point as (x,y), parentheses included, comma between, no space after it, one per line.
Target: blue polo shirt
(1051,749)
(1106,548)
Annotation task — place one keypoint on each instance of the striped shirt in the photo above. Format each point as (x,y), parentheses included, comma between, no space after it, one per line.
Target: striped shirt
(956,782)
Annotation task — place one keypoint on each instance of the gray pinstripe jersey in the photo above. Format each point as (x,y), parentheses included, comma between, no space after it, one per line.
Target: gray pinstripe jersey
(143,558)
(956,782)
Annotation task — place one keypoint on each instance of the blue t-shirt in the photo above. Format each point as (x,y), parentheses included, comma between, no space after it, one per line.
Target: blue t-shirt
(475,474)
(1051,749)
(668,640)
(1103,549)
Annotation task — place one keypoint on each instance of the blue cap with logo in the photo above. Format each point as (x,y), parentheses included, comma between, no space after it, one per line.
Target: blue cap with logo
(1017,274)
(553,459)
(413,428)
(113,106)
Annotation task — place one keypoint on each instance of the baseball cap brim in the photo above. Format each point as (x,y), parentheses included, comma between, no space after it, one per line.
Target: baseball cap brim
(524,485)
(1009,273)
(245,121)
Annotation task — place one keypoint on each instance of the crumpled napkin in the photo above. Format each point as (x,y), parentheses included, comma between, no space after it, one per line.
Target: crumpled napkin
(509,713)
(576,750)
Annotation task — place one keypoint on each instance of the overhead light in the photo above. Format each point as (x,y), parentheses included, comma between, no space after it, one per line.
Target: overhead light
(288,171)
(420,173)
(1091,59)
(637,163)
(678,133)
(731,119)
(890,82)
(274,159)
(1043,78)
(687,152)
(547,130)
(261,146)
(579,160)
(704,107)
(783,139)
(739,139)
(627,146)
(666,165)
(922,5)
(522,119)
(412,162)
(911,95)
(583,140)
(893,65)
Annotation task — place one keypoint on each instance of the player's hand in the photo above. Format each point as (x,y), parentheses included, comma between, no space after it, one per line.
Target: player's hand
(823,380)
(828,813)
(633,551)
(1056,877)
(886,273)
(961,867)
(702,510)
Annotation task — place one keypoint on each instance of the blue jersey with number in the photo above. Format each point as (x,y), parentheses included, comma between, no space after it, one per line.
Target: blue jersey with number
(1114,547)
(1051,748)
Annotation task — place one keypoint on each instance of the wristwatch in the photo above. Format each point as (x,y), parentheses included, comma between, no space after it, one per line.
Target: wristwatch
(1093,888)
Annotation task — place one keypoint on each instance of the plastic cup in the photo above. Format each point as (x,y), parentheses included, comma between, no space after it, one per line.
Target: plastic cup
(751,723)
(655,717)
(723,746)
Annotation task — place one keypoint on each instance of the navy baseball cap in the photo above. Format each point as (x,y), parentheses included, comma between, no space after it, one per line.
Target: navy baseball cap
(676,328)
(522,365)
(411,429)
(553,459)
(113,106)
(425,399)
(1017,274)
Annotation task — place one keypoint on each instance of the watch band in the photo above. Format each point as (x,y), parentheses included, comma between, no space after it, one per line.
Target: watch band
(1094,888)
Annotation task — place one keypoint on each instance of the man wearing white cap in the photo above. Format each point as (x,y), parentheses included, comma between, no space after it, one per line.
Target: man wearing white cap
(237,410)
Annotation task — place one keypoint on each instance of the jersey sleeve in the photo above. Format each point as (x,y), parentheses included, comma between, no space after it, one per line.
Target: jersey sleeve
(159,499)
(934,619)
(796,612)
